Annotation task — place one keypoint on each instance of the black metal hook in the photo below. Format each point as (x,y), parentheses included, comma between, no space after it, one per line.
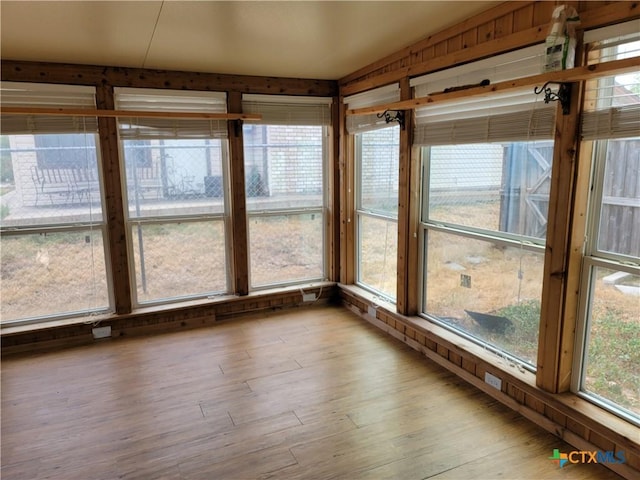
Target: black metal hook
(563,95)
(398,116)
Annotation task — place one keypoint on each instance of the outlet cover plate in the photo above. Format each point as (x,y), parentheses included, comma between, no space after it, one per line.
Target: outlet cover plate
(101,332)
(492,380)
(308,297)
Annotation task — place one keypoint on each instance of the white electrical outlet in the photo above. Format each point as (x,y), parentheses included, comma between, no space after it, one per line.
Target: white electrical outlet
(371,311)
(308,297)
(492,380)
(101,332)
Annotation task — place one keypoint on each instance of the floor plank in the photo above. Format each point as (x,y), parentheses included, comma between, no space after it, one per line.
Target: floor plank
(312,393)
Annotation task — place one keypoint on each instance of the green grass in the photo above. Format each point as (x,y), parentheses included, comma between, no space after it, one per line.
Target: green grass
(613,358)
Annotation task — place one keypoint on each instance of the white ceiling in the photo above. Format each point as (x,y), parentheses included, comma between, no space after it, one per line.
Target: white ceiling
(303,39)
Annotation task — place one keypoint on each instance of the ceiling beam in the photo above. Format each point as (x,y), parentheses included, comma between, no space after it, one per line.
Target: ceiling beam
(74,74)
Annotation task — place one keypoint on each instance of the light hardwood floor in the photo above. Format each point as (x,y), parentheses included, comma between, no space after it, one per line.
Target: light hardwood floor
(311,393)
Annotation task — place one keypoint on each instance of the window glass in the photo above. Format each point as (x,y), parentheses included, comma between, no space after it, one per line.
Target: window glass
(52,255)
(607,350)
(489,291)
(485,225)
(284,186)
(179,259)
(378,251)
(181,181)
(619,226)
(174,177)
(278,257)
(612,352)
(501,187)
(377,169)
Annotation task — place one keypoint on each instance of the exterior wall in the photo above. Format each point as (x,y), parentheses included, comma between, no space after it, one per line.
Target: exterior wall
(288,162)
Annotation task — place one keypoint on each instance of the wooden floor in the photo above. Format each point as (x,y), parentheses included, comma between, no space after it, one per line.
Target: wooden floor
(306,393)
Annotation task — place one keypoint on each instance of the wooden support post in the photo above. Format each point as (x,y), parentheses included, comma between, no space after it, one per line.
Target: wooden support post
(407,262)
(555,350)
(347,203)
(114,204)
(333,208)
(238,206)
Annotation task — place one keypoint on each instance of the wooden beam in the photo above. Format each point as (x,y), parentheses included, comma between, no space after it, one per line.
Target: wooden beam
(564,76)
(73,74)
(114,204)
(90,112)
(556,337)
(407,261)
(334,190)
(347,202)
(238,201)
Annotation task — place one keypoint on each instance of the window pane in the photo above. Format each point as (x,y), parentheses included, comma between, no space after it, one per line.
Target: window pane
(174,177)
(179,259)
(52,273)
(619,229)
(283,166)
(613,341)
(489,291)
(286,248)
(378,250)
(497,187)
(49,179)
(378,157)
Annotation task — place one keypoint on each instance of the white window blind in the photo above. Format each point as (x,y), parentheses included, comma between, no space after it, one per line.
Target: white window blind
(288,110)
(32,95)
(142,99)
(517,64)
(510,116)
(601,42)
(371,98)
(612,108)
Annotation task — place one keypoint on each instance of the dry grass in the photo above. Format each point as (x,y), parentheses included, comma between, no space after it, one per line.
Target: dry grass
(61,272)
(378,254)
(52,273)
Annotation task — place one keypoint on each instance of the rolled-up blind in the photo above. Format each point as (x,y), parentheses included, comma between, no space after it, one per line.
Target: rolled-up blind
(288,110)
(371,98)
(156,100)
(510,116)
(612,106)
(33,95)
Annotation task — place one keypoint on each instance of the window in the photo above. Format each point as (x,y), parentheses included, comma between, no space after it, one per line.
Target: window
(377,155)
(285,161)
(485,190)
(608,350)
(176,188)
(51,209)
(377,168)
